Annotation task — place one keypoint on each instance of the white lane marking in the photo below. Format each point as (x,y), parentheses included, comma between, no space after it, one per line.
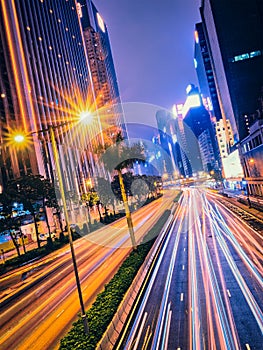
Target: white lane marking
(228,292)
(182,297)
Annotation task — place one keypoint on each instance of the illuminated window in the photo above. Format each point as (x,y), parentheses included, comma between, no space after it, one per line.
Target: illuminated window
(100,22)
(196,36)
(73,37)
(50,47)
(50,11)
(67,62)
(59,20)
(246,56)
(59,56)
(39,38)
(255,53)
(66,29)
(28,28)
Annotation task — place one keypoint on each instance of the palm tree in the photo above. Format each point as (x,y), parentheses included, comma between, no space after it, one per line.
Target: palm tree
(121,156)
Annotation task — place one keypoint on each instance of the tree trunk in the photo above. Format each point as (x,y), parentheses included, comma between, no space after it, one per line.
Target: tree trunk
(36,228)
(15,243)
(58,213)
(22,239)
(89,218)
(113,207)
(46,218)
(98,206)
(127,210)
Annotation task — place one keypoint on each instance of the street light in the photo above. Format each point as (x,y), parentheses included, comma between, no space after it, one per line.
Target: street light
(19,138)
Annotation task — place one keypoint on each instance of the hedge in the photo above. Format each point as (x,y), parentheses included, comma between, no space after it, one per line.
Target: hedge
(106,304)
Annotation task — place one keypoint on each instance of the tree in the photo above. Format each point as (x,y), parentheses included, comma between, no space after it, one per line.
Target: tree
(105,193)
(91,198)
(31,190)
(122,156)
(7,221)
(140,188)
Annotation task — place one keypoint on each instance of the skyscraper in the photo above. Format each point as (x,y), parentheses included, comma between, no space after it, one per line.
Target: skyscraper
(46,79)
(198,119)
(204,70)
(168,131)
(233,31)
(102,69)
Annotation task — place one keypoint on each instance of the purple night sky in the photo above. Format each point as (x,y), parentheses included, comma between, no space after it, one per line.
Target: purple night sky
(153,47)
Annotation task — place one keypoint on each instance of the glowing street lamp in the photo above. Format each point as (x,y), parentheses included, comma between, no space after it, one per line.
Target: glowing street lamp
(86,117)
(20,139)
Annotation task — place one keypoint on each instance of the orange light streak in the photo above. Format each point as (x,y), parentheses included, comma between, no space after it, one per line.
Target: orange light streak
(15,65)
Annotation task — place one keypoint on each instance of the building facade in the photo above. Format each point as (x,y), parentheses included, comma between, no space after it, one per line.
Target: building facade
(204,71)
(168,129)
(46,79)
(251,149)
(234,34)
(102,69)
(199,120)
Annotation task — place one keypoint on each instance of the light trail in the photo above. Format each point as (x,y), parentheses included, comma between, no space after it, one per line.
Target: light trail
(193,305)
(257,312)
(216,282)
(133,333)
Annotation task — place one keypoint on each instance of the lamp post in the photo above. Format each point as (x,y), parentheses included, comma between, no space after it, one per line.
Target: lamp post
(50,130)
(63,198)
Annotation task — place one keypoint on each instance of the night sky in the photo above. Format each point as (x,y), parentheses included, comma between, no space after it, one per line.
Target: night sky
(153,47)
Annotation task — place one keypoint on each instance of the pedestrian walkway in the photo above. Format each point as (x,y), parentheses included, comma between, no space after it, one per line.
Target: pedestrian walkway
(234,200)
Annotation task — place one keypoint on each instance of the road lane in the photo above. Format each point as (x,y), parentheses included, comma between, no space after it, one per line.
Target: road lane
(207,288)
(46,311)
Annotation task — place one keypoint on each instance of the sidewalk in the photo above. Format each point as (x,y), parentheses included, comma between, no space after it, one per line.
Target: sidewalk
(234,200)
(13,252)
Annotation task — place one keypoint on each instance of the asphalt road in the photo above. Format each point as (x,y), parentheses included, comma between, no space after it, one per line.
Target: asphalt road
(206,290)
(45,304)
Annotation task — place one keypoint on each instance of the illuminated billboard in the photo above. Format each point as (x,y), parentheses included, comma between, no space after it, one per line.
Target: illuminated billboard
(191,102)
(232,166)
